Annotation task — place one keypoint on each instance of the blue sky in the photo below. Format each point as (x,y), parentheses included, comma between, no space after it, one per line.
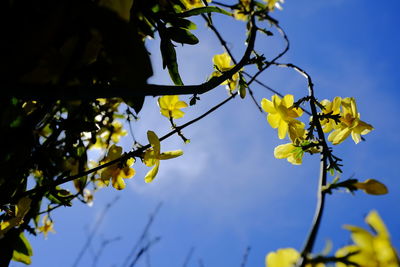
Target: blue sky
(228,191)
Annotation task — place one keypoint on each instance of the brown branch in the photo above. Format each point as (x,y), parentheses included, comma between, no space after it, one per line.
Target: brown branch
(309,244)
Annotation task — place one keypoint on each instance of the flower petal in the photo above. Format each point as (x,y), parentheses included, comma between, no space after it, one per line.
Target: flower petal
(282,129)
(181,104)
(267,106)
(176,113)
(152,173)
(171,154)
(222,61)
(283,151)
(285,257)
(339,135)
(375,221)
(165,112)
(150,158)
(288,101)
(356,137)
(127,173)
(274,120)
(154,141)
(361,237)
(118,183)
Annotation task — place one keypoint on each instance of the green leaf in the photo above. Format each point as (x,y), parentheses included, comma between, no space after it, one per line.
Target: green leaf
(136,103)
(60,196)
(242,86)
(202,10)
(169,60)
(265,31)
(182,23)
(181,35)
(23,250)
(242,91)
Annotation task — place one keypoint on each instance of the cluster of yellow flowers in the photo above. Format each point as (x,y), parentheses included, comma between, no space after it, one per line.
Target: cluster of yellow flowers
(190,4)
(170,107)
(119,171)
(350,122)
(21,209)
(368,250)
(244,8)
(282,115)
(116,173)
(223,63)
(17,218)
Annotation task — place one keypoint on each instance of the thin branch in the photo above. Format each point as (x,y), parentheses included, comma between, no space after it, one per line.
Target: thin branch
(309,244)
(134,153)
(225,45)
(94,231)
(283,33)
(144,250)
(188,257)
(103,245)
(143,235)
(245,257)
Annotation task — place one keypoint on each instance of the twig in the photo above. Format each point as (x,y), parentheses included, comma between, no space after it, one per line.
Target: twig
(245,257)
(102,247)
(143,235)
(188,257)
(225,45)
(309,244)
(134,153)
(144,250)
(94,231)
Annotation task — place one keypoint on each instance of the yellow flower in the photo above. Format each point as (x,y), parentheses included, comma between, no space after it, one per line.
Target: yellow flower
(373,249)
(22,208)
(103,136)
(152,156)
(281,114)
(223,63)
(117,131)
(372,187)
(118,171)
(271,4)
(189,4)
(350,124)
(71,165)
(285,257)
(292,153)
(244,6)
(46,227)
(334,109)
(170,106)
(88,197)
